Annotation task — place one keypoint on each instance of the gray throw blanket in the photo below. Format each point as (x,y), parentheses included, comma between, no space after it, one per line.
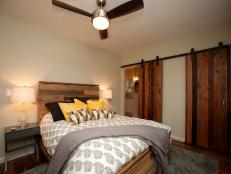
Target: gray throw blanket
(157,138)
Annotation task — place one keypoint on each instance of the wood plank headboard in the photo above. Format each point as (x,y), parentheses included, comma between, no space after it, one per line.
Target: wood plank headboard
(57,92)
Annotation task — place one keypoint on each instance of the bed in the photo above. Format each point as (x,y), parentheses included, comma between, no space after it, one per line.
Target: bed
(140,159)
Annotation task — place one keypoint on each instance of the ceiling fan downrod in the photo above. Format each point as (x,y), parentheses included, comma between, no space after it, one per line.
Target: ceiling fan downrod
(101,3)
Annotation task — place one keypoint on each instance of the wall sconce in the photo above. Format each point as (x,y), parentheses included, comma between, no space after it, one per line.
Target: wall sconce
(23,95)
(135,78)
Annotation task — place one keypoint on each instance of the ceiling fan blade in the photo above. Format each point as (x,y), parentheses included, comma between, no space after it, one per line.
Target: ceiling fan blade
(103,34)
(126,8)
(71,8)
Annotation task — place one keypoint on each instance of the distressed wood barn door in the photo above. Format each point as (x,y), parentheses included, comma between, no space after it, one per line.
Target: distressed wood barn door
(143,90)
(208,99)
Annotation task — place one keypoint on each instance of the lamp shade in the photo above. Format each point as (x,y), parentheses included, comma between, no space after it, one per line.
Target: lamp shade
(23,95)
(107,94)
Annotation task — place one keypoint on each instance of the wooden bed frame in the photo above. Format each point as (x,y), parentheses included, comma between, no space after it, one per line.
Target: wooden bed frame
(55,92)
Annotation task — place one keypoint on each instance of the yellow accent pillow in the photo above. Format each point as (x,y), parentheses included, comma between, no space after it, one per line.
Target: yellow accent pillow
(66,108)
(95,104)
(79,104)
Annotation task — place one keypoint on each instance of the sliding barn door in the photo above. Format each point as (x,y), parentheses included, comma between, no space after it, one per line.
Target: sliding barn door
(208,99)
(152,90)
(143,90)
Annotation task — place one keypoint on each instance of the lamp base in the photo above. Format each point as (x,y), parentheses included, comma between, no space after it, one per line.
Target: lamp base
(23,118)
(23,124)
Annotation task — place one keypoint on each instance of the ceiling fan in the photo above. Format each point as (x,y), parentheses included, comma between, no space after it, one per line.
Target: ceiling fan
(101,18)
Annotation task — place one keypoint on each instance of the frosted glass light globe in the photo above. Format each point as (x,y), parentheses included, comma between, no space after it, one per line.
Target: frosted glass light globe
(100,23)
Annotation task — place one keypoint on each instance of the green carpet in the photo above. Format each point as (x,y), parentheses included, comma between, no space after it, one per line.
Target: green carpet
(41,169)
(187,162)
(181,162)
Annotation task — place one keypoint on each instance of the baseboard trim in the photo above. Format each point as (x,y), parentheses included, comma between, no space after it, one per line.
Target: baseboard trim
(178,138)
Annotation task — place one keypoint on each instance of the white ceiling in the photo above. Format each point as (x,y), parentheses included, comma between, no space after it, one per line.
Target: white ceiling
(159,20)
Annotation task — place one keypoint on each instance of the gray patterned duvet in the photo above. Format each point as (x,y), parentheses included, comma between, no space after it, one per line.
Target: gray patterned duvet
(102,155)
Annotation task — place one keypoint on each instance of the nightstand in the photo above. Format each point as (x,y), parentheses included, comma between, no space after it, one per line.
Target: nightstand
(12,135)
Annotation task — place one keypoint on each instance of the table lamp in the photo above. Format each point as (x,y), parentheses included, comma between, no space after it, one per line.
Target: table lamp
(107,94)
(23,95)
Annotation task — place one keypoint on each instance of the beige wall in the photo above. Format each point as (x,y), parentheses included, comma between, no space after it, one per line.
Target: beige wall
(174,91)
(174,70)
(205,38)
(29,54)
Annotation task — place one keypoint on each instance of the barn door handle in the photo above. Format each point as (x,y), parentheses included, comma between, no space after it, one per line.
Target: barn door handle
(223,103)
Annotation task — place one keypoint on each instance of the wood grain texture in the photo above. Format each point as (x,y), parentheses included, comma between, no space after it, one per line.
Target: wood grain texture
(202,99)
(56,92)
(44,151)
(140,99)
(22,164)
(229,98)
(213,100)
(158,90)
(188,124)
(153,94)
(219,123)
(143,163)
(145,92)
(211,97)
(148,73)
(194,97)
(150,93)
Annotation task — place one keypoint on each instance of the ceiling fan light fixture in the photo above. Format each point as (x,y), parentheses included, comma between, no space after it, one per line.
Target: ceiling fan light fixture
(100,23)
(100,20)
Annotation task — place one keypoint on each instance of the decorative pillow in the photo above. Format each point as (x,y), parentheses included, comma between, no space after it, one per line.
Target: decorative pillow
(108,113)
(79,116)
(97,114)
(95,104)
(84,115)
(55,110)
(73,118)
(67,108)
(79,104)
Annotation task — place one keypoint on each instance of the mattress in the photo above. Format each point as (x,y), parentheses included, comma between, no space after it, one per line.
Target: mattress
(101,155)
